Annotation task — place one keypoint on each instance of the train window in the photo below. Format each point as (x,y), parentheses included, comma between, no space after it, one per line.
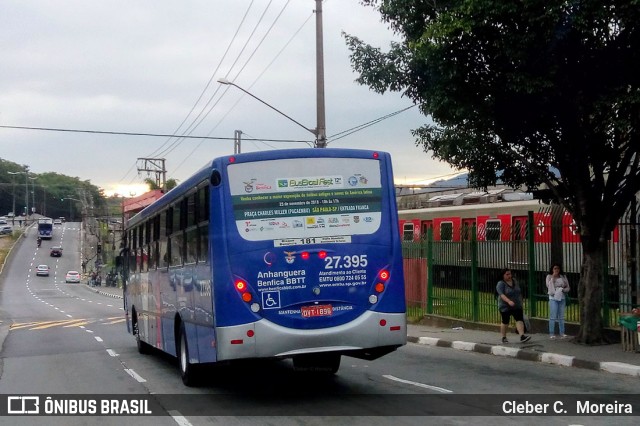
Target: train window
(493,230)
(519,229)
(446,231)
(407,232)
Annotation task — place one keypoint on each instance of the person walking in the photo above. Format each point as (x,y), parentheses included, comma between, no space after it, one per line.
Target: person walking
(557,289)
(510,305)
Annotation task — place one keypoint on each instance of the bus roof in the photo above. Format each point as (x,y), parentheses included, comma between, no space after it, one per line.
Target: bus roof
(205,172)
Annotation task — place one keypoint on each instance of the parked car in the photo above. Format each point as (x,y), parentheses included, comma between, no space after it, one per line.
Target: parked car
(42,271)
(72,277)
(56,251)
(5,229)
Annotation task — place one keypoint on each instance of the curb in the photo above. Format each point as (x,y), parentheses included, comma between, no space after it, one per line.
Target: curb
(104,293)
(526,355)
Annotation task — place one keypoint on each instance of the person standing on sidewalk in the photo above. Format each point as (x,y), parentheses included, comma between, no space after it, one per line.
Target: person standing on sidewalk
(557,289)
(510,305)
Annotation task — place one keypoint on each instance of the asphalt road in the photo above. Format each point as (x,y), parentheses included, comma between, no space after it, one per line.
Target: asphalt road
(63,338)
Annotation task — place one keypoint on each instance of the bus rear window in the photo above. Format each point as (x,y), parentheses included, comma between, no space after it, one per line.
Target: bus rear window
(287,199)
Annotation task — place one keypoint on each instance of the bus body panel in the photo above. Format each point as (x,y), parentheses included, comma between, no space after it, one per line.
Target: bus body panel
(272,340)
(263,258)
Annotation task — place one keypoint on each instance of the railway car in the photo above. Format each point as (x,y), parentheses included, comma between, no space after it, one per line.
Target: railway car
(500,221)
(501,230)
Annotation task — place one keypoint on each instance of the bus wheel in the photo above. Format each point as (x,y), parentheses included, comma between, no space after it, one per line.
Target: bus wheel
(143,347)
(187,370)
(317,363)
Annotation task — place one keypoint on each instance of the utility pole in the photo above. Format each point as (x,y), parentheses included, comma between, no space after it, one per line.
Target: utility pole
(154,165)
(321,129)
(237,138)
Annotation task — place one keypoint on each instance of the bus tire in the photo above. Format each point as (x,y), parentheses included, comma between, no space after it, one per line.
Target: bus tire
(143,347)
(323,364)
(187,370)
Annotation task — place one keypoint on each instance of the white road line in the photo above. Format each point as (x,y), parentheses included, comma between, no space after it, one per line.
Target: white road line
(421,385)
(134,375)
(179,418)
(112,352)
(98,339)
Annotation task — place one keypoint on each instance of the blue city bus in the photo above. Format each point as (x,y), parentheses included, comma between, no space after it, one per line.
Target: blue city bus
(45,228)
(282,254)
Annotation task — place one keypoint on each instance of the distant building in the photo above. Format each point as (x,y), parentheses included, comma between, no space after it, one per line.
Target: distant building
(132,206)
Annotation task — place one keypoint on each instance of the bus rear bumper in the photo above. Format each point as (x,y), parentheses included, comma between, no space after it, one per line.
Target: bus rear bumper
(370,336)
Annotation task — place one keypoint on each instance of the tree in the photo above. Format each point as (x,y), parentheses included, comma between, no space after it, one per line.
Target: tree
(171,183)
(525,88)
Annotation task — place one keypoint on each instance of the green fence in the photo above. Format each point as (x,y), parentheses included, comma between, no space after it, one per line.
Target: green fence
(458,279)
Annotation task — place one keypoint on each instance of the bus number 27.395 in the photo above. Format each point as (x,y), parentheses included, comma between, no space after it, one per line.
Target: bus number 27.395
(339,262)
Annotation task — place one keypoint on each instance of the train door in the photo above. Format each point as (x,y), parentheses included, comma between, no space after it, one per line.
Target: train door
(468,226)
(519,240)
(424,228)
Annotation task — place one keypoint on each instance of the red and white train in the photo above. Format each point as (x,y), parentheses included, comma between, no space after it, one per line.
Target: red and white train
(497,218)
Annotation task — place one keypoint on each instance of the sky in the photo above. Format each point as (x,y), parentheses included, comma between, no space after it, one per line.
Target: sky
(152,67)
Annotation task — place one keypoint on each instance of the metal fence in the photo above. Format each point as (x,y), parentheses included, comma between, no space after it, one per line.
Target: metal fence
(458,279)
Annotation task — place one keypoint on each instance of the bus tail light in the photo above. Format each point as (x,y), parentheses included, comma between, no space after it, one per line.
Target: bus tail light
(241,286)
(384,275)
(304,255)
(379,287)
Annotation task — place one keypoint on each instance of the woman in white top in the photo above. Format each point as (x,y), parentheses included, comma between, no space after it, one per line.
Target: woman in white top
(557,289)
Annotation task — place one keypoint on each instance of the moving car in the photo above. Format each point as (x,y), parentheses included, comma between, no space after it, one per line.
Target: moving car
(56,251)
(57,222)
(72,277)
(42,271)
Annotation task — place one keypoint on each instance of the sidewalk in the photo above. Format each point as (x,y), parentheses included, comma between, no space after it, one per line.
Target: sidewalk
(471,337)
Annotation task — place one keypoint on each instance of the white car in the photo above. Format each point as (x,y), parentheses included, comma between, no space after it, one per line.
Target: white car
(42,271)
(72,277)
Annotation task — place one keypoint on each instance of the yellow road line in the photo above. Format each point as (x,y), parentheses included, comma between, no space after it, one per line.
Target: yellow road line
(30,324)
(60,323)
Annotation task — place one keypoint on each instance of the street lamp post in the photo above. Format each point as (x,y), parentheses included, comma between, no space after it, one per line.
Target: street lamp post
(314,132)
(26,192)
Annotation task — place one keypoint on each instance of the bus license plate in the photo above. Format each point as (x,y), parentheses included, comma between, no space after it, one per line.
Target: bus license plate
(316,311)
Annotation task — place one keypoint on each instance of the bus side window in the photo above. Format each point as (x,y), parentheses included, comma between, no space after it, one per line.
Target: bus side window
(163,255)
(203,249)
(191,253)
(176,249)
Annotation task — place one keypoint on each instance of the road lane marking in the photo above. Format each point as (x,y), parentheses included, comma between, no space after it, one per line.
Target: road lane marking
(99,339)
(134,375)
(80,324)
(179,418)
(421,385)
(112,352)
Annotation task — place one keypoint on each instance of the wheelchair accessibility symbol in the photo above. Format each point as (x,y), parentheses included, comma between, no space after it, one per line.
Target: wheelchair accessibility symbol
(271,300)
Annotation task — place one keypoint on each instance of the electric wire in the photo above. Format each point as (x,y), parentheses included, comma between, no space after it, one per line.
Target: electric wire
(192,126)
(215,72)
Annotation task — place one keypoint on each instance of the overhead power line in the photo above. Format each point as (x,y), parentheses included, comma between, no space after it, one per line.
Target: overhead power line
(157,135)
